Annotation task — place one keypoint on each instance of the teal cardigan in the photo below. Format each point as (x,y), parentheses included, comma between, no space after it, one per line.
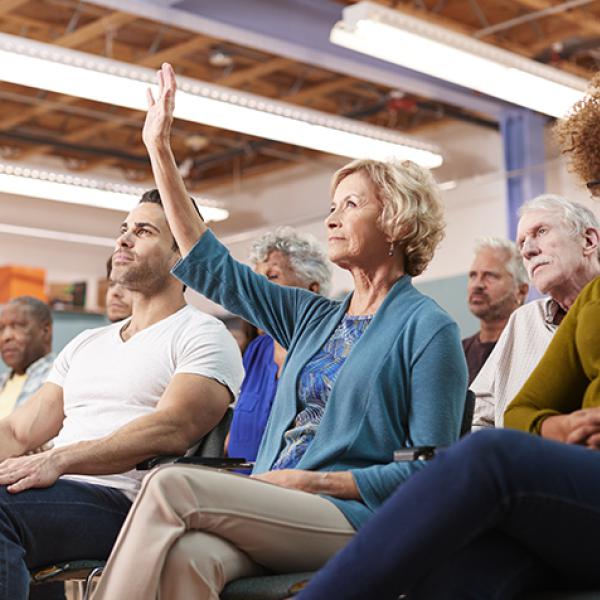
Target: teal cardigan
(403,383)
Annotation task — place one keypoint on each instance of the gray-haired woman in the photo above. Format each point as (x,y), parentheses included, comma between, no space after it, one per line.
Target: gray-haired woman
(285,257)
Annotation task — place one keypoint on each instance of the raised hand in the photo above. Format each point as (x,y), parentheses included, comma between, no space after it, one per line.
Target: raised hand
(159,118)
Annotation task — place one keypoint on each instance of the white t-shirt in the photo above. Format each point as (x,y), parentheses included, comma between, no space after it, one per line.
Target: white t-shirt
(108,382)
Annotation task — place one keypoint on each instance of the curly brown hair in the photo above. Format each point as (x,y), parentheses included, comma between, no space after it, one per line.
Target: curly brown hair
(579,135)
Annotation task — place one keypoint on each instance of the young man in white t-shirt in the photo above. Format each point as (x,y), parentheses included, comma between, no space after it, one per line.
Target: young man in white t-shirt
(117,395)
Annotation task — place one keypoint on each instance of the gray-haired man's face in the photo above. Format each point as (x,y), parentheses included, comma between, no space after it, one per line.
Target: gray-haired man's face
(492,292)
(551,252)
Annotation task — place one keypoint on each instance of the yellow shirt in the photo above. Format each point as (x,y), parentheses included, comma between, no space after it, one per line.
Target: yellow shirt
(10,393)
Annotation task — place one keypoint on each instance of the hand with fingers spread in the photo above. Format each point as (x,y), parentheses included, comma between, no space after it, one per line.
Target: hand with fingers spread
(25,472)
(159,118)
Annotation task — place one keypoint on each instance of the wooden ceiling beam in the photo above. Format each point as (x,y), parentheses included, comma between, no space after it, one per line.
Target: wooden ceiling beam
(259,70)
(70,40)
(96,28)
(9,5)
(321,89)
(174,52)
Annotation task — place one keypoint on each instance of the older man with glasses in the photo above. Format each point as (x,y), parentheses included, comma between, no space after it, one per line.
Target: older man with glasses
(559,243)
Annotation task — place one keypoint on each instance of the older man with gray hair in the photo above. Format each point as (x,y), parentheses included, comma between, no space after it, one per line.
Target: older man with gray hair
(559,243)
(497,285)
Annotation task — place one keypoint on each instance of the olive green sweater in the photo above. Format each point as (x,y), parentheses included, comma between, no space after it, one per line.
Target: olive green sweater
(568,376)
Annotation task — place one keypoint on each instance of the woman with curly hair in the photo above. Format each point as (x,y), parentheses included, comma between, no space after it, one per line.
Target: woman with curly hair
(502,511)
(380,370)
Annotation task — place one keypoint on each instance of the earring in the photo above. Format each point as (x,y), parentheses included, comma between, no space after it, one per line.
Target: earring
(391,250)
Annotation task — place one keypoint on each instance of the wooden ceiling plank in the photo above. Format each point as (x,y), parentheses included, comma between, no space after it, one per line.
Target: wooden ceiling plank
(71,40)
(259,70)
(320,89)
(174,52)
(9,5)
(98,27)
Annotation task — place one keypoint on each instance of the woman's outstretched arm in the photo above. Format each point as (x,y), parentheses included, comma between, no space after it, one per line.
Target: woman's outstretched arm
(186,225)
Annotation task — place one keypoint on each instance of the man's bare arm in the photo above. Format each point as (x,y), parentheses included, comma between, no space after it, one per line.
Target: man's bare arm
(33,423)
(189,408)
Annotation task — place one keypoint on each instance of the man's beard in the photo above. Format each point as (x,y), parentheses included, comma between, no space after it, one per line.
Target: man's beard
(145,278)
(499,310)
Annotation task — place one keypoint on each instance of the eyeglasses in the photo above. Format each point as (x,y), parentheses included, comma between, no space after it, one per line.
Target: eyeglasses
(590,185)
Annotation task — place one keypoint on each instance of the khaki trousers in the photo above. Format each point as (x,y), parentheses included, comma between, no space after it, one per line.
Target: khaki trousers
(193,529)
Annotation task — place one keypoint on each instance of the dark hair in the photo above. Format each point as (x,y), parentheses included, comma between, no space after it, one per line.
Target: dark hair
(153,197)
(38,309)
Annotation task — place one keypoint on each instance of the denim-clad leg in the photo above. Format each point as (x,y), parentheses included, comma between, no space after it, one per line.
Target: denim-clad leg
(70,520)
(542,495)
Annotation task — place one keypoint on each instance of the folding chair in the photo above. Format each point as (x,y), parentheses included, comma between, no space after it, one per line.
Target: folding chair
(86,570)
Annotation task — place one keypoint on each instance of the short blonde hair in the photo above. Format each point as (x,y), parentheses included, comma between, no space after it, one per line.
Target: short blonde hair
(579,135)
(411,209)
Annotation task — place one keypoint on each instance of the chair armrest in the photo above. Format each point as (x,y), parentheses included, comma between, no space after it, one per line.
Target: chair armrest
(417,453)
(155,461)
(220,462)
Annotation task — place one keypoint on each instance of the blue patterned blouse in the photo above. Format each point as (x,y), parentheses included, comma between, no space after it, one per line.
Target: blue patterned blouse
(314,387)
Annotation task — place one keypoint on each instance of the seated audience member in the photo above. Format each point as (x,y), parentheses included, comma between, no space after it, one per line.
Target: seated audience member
(559,242)
(518,512)
(287,258)
(25,345)
(497,286)
(242,331)
(118,298)
(116,395)
(380,370)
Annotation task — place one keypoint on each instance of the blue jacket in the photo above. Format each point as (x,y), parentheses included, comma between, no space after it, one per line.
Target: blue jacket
(256,397)
(403,384)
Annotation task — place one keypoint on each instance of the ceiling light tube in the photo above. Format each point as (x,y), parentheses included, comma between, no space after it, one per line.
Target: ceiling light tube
(65,71)
(39,182)
(57,236)
(439,52)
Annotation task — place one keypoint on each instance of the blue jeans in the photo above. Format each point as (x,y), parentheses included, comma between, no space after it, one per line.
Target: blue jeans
(67,521)
(498,513)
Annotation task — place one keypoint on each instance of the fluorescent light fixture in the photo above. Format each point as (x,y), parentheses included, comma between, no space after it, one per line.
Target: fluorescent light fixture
(59,236)
(39,182)
(422,46)
(66,71)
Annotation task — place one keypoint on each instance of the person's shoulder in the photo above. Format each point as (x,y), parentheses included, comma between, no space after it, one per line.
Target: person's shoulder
(427,311)
(533,309)
(191,315)
(589,295)
(592,290)
(95,333)
(89,336)
(469,341)
(260,342)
